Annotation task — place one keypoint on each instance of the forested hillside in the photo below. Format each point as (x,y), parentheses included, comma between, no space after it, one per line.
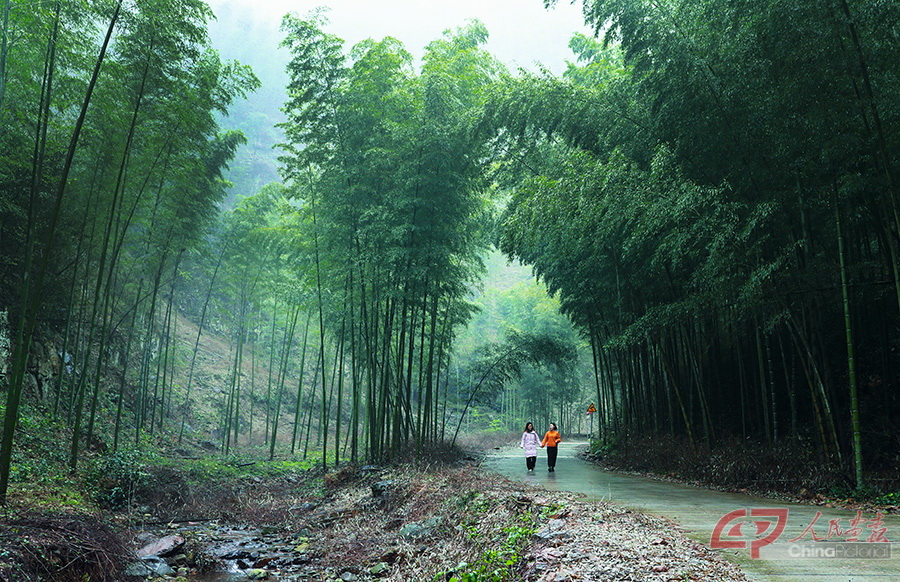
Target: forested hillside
(709,193)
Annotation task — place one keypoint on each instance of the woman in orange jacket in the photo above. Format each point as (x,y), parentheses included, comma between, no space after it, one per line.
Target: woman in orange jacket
(551,441)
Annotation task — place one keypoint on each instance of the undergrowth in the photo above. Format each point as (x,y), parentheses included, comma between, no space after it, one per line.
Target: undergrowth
(498,562)
(62,546)
(791,466)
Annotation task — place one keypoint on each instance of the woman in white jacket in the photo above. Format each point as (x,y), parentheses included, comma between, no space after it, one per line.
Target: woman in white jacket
(530,442)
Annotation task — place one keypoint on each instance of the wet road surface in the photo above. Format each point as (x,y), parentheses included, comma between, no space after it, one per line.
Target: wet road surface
(697,511)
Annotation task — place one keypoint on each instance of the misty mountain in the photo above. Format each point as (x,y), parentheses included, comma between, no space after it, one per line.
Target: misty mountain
(241,35)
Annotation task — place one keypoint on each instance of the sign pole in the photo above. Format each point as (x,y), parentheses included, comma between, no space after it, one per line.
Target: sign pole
(591,410)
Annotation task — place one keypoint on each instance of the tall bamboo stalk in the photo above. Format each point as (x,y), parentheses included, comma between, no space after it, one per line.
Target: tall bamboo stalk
(851,361)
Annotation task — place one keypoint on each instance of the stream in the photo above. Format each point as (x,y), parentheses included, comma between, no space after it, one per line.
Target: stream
(241,553)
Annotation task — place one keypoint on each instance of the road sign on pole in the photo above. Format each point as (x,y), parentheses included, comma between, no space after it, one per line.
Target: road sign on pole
(591,410)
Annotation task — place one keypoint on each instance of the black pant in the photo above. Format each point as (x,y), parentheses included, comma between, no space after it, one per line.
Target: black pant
(551,456)
(530,462)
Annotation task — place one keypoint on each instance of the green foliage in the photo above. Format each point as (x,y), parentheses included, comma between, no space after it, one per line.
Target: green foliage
(39,466)
(497,564)
(386,170)
(211,469)
(499,363)
(552,510)
(674,191)
(892,498)
(94,209)
(511,300)
(114,479)
(472,501)
(843,491)
(608,445)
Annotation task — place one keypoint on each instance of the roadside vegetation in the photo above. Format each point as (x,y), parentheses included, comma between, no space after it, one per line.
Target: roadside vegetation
(791,470)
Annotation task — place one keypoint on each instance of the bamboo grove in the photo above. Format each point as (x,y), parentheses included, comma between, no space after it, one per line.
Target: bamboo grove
(111,173)
(719,217)
(709,190)
(388,169)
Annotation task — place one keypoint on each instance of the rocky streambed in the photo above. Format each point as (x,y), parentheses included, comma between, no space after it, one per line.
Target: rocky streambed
(214,552)
(364,529)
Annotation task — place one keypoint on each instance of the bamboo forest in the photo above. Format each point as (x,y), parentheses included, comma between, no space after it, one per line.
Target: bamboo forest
(369,254)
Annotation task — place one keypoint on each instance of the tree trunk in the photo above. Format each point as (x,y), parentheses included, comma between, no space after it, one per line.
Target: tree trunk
(851,362)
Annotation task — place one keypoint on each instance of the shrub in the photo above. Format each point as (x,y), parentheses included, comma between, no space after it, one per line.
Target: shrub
(114,479)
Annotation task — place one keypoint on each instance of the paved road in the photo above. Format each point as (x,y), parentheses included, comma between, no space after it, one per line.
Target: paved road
(697,511)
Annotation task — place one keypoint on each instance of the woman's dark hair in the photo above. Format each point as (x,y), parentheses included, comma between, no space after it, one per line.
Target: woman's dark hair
(526,426)
(555,427)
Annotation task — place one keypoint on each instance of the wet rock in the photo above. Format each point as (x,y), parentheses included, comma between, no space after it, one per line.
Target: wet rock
(143,538)
(240,555)
(149,566)
(257,574)
(370,469)
(262,563)
(162,547)
(137,570)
